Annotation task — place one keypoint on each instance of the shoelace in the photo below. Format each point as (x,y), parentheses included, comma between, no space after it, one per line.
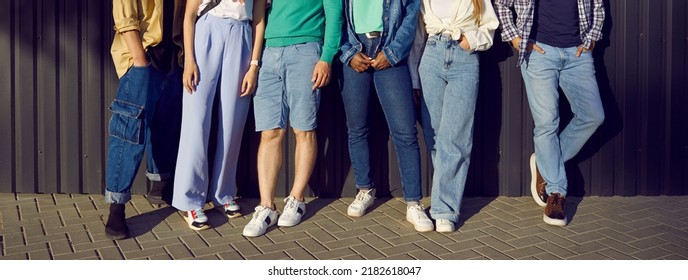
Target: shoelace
(292,204)
(557,199)
(260,213)
(420,210)
(362,195)
(560,201)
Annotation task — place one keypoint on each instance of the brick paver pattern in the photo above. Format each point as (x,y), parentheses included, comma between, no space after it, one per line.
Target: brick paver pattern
(61,226)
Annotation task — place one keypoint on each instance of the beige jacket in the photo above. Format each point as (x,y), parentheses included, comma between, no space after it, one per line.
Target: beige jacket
(146,17)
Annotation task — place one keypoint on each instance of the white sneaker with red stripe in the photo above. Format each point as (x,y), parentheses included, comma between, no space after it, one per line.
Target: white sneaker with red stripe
(232,210)
(197,220)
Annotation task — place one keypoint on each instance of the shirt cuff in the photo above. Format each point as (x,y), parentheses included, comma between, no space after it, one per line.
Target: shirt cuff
(127,24)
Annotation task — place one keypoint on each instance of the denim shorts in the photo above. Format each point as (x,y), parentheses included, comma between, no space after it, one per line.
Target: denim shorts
(285,88)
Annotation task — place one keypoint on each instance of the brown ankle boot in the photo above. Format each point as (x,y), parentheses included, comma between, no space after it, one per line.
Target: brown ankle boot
(154,196)
(116,226)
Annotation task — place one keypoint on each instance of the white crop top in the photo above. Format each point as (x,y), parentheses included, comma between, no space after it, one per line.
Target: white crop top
(233,9)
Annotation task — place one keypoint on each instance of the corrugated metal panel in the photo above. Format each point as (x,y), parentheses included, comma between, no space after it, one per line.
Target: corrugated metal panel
(96,69)
(6,97)
(69,101)
(46,82)
(676,79)
(60,80)
(26,133)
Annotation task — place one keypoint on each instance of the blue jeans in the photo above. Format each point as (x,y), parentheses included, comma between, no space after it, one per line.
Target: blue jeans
(285,88)
(393,87)
(543,74)
(142,121)
(449,77)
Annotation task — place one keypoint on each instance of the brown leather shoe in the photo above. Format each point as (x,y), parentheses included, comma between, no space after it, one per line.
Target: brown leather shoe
(537,183)
(555,211)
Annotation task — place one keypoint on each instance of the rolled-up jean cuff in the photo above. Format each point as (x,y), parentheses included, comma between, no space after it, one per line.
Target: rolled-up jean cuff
(158,177)
(411,199)
(371,186)
(452,216)
(555,189)
(117,198)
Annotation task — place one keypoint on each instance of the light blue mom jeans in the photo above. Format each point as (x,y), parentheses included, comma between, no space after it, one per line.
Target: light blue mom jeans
(449,77)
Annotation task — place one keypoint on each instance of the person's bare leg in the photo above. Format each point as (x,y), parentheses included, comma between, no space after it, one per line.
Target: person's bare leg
(304,160)
(269,164)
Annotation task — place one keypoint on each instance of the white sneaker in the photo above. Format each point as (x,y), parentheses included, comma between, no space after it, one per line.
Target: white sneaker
(262,219)
(444,225)
(232,210)
(416,215)
(196,219)
(364,199)
(292,213)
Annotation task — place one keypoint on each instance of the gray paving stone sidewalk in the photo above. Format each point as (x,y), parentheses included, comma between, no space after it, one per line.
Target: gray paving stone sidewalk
(60,226)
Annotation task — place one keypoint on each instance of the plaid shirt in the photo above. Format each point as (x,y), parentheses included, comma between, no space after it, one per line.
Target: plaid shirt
(590,13)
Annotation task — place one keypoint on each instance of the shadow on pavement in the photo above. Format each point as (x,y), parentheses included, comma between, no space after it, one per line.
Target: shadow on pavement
(572,203)
(471,206)
(144,223)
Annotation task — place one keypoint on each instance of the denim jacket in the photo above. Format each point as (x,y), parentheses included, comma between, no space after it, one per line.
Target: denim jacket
(399,19)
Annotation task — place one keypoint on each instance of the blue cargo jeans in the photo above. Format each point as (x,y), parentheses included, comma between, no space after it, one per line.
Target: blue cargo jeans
(146,115)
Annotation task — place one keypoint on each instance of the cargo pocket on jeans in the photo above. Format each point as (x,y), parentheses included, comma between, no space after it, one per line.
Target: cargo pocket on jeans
(126,122)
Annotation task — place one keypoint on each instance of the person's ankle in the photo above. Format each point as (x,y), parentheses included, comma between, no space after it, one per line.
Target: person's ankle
(411,203)
(270,206)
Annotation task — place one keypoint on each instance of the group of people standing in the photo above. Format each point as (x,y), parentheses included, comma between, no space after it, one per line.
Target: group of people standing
(188,56)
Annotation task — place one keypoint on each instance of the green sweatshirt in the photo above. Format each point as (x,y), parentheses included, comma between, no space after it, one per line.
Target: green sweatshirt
(293,22)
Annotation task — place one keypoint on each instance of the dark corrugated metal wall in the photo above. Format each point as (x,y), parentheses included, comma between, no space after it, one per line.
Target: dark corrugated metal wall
(54,94)
(59,80)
